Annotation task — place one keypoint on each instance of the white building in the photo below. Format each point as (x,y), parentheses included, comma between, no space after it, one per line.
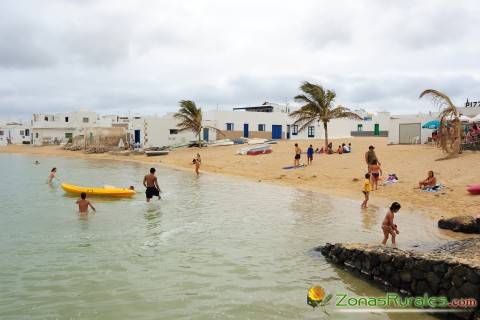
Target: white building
(407,129)
(62,127)
(15,133)
(159,132)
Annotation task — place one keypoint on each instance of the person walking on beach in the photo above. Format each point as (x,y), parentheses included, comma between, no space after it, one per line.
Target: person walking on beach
(370,156)
(310,155)
(52,175)
(389,228)
(151,183)
(83,204)
(366,190)
(197,161)
(298,152)
(376,172)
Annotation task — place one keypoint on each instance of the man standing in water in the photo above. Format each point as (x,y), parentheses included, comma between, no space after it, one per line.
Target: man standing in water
(150,182)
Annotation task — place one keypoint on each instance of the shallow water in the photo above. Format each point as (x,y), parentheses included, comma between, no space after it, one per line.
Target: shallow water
(212,248)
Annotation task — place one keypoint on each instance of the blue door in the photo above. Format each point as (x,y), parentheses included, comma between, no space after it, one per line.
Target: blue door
(205,134)
(276,131)
(137,136)
(245,130)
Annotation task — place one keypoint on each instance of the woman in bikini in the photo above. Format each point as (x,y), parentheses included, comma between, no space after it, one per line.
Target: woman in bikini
(389,228)
(376,172)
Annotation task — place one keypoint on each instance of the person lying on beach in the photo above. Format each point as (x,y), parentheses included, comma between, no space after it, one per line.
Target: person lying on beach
(366,190)
(376,172)
(52,175)
(388,227)
(83,204)
(151,183)
(429,182)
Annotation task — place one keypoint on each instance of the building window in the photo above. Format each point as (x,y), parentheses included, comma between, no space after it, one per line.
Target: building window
(1,133)
(229,126)
(261,127)
(294,130)
(22,132)
(46,118)
(173,131)
(27,132)
(85,120)
(311,132)
(66,119)
(36,135)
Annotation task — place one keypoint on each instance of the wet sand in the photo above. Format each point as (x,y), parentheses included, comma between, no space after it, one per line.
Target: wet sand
(340,175)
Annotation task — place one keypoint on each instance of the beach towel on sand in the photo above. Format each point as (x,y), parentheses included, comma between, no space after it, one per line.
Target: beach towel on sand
(392,178)
(434,189)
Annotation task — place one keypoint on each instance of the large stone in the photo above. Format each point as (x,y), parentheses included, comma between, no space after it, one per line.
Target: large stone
(470,290)
(466,224)
(406,276)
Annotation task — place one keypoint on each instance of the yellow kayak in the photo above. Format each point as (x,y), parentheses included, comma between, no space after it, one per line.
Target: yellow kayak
(105,191)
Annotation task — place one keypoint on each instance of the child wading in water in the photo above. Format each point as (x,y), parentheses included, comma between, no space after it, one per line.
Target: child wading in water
(366,190)
(83,204)
(389,228)
(197,161)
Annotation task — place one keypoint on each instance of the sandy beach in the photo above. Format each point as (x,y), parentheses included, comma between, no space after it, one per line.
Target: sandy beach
(339,175)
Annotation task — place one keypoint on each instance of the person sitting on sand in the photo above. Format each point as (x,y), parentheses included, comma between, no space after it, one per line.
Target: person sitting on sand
(52,175)
(310,155)
(339,150)
(376,172)
(345,148)
(298,152)
(429,182)
(366,190)
(83,204)
(388,227)
(197,161)
(151,183)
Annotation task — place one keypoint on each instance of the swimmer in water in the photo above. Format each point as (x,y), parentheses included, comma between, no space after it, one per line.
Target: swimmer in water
(37,162)
(83,204)
(52,175)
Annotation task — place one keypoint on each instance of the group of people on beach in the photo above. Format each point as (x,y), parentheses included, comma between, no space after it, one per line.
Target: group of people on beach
(344,148)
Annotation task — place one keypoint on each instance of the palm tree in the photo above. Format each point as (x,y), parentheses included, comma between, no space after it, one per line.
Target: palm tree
(449,141)
(190,117)
(318,106)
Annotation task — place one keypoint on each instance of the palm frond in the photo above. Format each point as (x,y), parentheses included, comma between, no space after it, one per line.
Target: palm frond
(442,101)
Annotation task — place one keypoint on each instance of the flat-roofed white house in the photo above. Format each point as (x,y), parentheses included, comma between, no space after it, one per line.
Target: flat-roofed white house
(62,127)
(157,131)
(15,133)
(407,129)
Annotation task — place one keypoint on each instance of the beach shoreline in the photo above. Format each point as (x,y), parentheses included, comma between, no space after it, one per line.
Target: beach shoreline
(336,175)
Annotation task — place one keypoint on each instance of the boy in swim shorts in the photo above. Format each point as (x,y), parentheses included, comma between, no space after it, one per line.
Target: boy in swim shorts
(83,204)
(151,183)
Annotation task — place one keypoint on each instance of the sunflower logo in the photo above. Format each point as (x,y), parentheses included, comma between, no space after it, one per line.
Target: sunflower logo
(317,297)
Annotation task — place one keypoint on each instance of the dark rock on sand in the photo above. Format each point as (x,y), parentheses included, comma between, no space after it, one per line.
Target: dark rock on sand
(466,224)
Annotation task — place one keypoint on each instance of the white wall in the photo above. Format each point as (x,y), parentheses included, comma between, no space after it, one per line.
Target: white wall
(15,134)
(156,132)
(395,121)
(51,135)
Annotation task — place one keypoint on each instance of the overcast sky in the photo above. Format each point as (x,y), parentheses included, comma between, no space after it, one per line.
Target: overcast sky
(120,56)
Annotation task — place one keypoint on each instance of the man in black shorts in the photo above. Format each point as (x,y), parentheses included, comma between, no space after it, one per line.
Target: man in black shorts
(150,182)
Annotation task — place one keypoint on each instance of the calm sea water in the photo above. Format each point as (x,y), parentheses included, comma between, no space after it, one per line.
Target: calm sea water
(213,248)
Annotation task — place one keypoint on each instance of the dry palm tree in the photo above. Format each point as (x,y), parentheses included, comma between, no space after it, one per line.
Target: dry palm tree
(318,106)
(449,138)
(190,117)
